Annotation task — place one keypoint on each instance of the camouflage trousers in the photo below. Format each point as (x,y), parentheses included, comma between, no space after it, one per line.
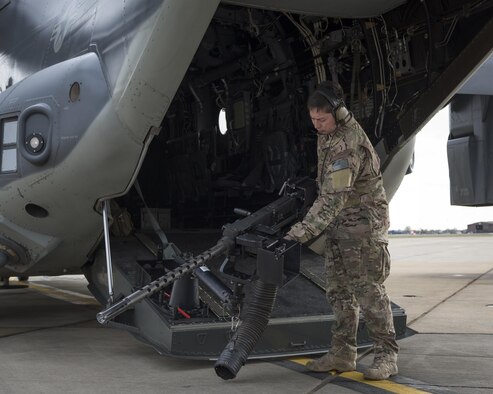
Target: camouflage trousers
(356,270)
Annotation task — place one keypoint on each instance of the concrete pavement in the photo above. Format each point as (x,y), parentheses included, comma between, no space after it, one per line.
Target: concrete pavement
(51,342)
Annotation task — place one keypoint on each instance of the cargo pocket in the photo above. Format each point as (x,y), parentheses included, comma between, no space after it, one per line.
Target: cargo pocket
(378,262)
(352,256)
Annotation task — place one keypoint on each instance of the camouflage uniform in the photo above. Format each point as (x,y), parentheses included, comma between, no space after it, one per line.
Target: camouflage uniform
(352,209)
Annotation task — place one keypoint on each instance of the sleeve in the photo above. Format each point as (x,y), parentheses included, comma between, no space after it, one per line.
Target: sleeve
(336,186)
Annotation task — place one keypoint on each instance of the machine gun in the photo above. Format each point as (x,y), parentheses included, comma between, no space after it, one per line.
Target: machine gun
(258,234)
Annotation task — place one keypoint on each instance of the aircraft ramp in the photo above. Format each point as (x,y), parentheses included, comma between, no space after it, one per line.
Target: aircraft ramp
(300,322)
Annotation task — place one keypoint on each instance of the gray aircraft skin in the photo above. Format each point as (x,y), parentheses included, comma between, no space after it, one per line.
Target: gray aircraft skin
(94,94)
(128,64)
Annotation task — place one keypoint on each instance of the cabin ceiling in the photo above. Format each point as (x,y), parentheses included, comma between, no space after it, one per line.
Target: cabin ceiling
(331,8)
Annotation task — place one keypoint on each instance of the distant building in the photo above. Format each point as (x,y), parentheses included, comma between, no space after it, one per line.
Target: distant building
(480,227)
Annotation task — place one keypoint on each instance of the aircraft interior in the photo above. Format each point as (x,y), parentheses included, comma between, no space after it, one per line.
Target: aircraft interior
(238,128)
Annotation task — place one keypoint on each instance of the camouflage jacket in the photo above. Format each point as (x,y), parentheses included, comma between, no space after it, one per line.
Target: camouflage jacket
(351,201)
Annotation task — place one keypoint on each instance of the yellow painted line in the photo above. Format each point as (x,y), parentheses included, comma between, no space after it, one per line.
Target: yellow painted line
(382,384)
(64,295)
(301,360)
(358,377)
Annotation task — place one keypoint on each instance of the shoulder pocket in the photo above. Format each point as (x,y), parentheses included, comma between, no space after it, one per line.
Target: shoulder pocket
(341,179)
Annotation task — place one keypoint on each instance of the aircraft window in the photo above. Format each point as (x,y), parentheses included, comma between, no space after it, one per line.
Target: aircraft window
(223,124)
(9,146)
(9,160)
(10,133)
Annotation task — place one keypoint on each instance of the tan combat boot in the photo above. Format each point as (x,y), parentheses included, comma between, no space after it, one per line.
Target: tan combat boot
(383,367)
(331,362)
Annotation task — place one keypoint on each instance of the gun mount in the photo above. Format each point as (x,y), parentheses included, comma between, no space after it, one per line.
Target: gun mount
(192,306)
(257,232)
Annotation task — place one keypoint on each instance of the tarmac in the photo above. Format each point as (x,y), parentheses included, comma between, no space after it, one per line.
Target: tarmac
(51,343)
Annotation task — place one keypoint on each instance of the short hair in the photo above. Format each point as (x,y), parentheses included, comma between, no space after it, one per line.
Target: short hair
(328,97)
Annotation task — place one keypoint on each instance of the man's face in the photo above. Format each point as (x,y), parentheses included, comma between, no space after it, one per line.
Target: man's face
(323,121)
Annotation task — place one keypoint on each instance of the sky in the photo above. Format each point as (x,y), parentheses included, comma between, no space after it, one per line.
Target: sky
(423,199)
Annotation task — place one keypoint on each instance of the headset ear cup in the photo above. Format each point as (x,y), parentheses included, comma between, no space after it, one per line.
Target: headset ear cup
(339,105)
(334,101)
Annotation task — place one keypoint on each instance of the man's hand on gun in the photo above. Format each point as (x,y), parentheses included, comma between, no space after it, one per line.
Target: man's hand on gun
(288,238)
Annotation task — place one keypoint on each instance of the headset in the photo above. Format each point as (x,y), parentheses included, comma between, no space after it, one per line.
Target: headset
(331,96)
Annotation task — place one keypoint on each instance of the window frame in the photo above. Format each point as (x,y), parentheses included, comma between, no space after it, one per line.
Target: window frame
(9,146)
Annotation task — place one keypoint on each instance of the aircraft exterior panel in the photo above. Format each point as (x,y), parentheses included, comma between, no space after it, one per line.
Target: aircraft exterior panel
(476,83)
(44,97)
(469,150)
(94,146)
(155,64)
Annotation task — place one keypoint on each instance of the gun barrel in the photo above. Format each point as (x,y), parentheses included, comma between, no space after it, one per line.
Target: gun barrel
(272,217)
(121,306)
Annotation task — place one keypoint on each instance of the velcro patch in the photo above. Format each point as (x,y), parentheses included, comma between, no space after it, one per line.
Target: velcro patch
(341,179)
